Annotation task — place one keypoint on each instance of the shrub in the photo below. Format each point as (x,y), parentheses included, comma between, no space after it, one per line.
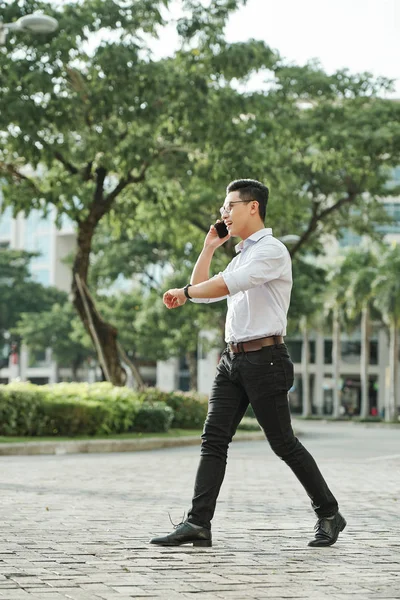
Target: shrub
(69,417)
(20,408)
(153,417)
(190,409)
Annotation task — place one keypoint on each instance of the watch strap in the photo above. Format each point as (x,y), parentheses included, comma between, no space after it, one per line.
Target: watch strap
(185,291)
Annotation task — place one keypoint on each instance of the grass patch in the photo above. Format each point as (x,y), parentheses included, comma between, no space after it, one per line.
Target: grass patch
(120,436)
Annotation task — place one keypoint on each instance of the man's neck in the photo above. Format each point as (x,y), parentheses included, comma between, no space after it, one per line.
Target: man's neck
(246,234)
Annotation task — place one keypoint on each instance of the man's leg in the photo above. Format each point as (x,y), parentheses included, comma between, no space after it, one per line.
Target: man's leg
(267,375)
(227,405)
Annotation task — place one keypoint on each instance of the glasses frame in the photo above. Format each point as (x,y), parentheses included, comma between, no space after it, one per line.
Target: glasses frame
(224,210)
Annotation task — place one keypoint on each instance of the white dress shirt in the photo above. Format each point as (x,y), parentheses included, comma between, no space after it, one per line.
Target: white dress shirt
(259,280)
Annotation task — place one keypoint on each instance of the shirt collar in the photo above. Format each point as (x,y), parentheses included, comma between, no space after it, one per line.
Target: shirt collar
(252,239)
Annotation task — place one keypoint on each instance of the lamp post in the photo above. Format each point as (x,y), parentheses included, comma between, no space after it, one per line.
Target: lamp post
(36,23)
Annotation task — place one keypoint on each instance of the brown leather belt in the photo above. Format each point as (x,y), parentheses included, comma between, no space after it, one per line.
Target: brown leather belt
(254,345)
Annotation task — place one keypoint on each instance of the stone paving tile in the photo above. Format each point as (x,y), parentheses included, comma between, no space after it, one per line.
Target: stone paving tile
(77,527)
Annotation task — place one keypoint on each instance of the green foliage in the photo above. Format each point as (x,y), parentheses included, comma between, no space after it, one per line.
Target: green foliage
(154,143)
(19,293)
(309,285)
(153,417)
(386,286)
(20,409)
(71,409)
(58,328)
(189,409)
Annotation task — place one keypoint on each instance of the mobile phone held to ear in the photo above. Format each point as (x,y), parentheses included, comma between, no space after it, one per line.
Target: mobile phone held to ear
(221,229)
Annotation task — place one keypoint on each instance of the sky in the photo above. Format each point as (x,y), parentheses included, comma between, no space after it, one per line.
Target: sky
(361,35)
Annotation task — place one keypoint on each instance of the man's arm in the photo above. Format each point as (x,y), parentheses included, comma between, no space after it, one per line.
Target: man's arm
(213,288)
(201,284)
(201,271)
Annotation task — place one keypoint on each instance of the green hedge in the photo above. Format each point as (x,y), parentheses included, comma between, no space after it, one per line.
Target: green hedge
(190,408)
(71,409)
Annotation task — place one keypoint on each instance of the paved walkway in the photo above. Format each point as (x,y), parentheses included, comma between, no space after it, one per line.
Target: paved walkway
(77,526)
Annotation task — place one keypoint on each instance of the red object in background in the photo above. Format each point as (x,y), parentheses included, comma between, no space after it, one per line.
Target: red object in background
(14,354)
(374,411)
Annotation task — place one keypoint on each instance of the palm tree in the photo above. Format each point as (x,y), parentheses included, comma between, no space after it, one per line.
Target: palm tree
(386,291)
(305,310)
(339,280)
(364,264)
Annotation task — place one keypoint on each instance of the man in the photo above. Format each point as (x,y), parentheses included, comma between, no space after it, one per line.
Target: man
(255,367)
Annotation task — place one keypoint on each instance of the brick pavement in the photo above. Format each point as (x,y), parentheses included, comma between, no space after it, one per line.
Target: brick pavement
(77,526)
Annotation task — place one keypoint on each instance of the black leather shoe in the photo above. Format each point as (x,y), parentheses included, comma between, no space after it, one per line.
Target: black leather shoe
(185,533)
(327,530)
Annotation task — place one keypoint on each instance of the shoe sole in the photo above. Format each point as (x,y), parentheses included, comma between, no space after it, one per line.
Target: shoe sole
(196,543)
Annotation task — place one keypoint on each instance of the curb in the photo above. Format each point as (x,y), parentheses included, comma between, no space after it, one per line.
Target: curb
(112,445)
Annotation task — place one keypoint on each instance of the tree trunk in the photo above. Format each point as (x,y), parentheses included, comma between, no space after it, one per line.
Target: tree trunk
(392,404)
(364,367)
(305,363)
(336,364)
(191,360)
(103,335)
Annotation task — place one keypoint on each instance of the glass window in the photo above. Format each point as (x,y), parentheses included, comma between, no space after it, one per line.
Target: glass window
(328,352)
(351,352)
(6,222)
(348,238)
(41,276)
(42,245)
(37,221)
(373,352)
(294,347)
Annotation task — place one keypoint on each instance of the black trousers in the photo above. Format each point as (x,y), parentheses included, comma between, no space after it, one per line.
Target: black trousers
(263,379)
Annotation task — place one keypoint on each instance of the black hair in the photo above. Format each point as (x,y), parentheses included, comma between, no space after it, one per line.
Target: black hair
(251,189)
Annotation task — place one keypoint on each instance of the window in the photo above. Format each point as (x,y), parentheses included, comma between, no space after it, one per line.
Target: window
(41,276)
(5,222)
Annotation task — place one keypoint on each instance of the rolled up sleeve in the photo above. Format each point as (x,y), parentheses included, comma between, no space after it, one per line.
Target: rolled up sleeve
(208,300)
(266,265)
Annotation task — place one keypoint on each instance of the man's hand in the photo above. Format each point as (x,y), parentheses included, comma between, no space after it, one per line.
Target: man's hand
(213,240)
(174,298)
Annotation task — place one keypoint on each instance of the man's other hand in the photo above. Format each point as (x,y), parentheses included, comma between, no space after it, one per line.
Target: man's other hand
(174,298)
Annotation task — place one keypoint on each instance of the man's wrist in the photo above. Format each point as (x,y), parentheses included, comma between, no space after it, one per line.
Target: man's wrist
(185,291)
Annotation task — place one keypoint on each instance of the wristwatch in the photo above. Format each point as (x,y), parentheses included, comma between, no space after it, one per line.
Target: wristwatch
(185,291)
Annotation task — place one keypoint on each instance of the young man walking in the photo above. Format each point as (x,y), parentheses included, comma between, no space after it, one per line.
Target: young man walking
(254,368)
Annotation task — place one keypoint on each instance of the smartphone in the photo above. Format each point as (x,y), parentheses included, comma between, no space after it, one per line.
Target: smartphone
(221,229)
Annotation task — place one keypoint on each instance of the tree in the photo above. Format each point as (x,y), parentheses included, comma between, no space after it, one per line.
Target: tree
(59,329)
(386,293)
(19,293)
(364,264)
(306,307)
(112,131)
(94,127)
(339,280)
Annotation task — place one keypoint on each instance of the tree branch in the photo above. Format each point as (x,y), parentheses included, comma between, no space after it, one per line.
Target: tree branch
(101,175)
(69,166)
(317,218)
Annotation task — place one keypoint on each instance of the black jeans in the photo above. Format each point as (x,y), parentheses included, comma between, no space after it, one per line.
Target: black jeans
(263,379)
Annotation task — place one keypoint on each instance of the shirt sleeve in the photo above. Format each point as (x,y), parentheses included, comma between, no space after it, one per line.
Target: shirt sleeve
(208,300)
(266,265)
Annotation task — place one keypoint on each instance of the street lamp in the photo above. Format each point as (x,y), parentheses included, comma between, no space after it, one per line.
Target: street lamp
(37,23)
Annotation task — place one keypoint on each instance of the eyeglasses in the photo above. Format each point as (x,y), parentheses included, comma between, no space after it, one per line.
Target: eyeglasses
(228,209)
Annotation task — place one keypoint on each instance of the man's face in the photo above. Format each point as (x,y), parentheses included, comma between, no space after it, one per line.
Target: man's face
(235,212)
